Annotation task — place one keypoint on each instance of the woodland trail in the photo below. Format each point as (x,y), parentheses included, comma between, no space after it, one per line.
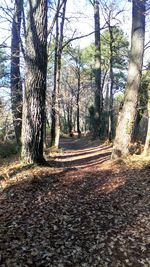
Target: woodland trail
(85,211)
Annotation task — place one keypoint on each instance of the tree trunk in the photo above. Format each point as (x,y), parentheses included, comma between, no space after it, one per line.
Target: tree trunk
(78,98)
(135,135)
(127,117)
(98,92)
(69,111)
(16,84)
(35,83)
(111,115)
(147,141)
(55,127)
(78,121)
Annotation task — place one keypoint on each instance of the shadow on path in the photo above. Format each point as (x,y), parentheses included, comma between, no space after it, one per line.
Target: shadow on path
(80,154)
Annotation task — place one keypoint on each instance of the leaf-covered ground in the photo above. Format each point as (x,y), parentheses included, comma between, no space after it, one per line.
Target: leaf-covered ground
(85,211)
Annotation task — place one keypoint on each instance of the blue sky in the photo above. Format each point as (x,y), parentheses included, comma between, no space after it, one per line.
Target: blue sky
(80,16)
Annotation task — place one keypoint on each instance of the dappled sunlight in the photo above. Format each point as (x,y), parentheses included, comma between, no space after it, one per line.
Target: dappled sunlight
(71,157)
(92,206)
(20,172)
(91,157)
(112,184)
(88,150)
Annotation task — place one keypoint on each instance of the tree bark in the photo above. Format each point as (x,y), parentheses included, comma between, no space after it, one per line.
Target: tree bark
(35,83)
(111,74)
(127,117)
(55,127)
(16,84)
(78,94)
(69,109)
(98,92)
(147,141)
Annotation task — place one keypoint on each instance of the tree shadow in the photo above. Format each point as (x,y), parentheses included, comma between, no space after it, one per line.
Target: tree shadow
(72,218)
(83,152)
(93,156)
(89,156)
(82,161)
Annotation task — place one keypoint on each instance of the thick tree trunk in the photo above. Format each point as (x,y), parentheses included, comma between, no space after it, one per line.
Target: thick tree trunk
(16,84)
(35,83)
(127,117)
(55,127)
(98,92)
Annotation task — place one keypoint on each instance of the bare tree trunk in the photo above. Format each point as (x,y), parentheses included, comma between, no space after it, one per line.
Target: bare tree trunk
(16,84)
(35,83)
(55,127)
(78,120)
(127,117)
(70,120)
(147,141)
(111,115)
(98,92)
(78,98)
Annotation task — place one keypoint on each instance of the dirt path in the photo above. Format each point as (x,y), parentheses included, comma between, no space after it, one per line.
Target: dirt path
(86,211)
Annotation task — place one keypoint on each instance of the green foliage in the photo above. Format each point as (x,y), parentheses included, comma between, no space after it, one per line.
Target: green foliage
(119,45)
(119,58)
(3,59)
(143,97)
(119,98)
(88,55)
(120,50)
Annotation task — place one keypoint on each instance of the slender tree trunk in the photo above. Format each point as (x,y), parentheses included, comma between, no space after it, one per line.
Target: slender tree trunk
(16,84)
(35,83)
(127,117)
(78,121)
(78,99)
(55,127)
(147,141)
(98,92)
(111,115)
(70,120)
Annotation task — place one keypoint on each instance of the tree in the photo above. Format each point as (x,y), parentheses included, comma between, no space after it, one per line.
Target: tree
(145,99)
(97,70)
(77,70)
(114,60)
(147,141)
(16,84)
(55,127)
(127,116)
(35,83)
(114,63)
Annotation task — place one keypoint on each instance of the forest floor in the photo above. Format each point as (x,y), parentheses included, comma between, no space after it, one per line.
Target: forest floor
(84,211)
